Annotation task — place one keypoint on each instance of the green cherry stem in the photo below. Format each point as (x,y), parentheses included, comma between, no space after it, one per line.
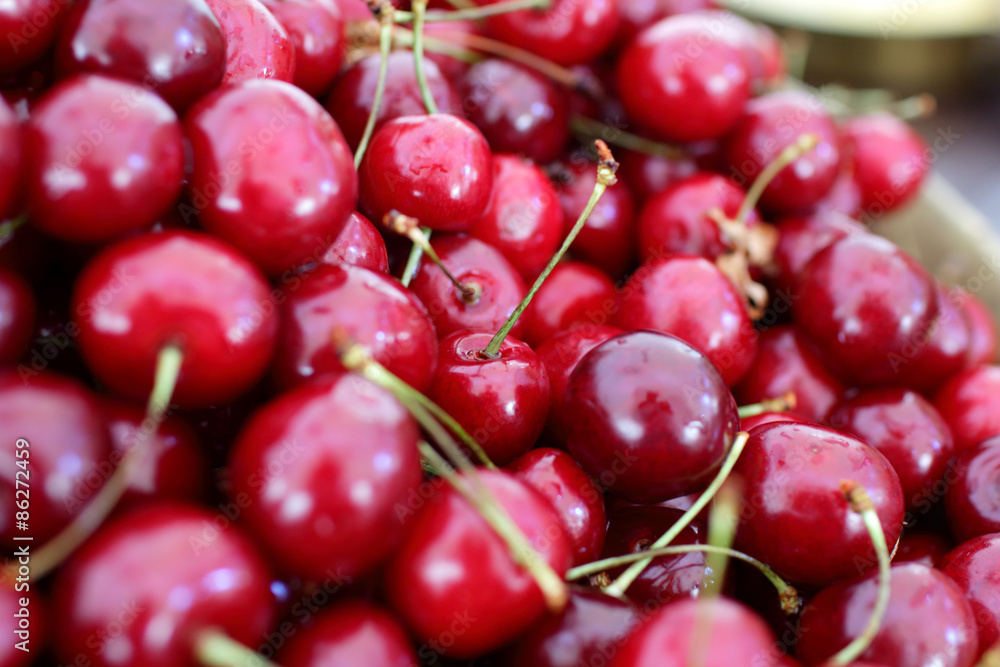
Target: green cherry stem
(413,260)
(589,128)
(215,648)
(409,227)
(8,227)
(419,10)
(723,519)
(781,403)
(382,10)
(476,13)
(790,154)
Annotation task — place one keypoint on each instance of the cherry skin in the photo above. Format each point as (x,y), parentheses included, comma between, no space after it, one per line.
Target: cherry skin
(274,185)
(577,499)
(452,568)
(354,632)
(360,244)
(660,80)
(864,303)
(970,404)
(27,38)
(134,568)
(11,155)
(174,47)
(370,309)
(785,363)
(690,298)
(759,47)
(888,158)
(317,34)
(257,46)
(517,109)
(646,175)
(801,524)
(749,423)
(925,547)
(972,497)
(984,338)
(920,597)
(973,566)
(475,264)
(942,352)
(843,197)
(637,14)
(574,294)
(323,468)
(768,125)
(436,168)
(182,288)
(653,411)
(800,238)
(17,316)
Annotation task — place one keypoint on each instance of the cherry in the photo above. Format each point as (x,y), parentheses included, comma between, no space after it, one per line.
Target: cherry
(480,266)
(28,27)
(670,68)
(350,100)
(646,175)
(973,566)
(257,46)
(360,244)
(637,14)
(942,352)
(888,159)
(770,123)
(574,294)
(843,197)
(354,632)
(174,47)
(925,547)
(10,157)
(173,574)
(517,109)
(92,175)
(749,423)
(523,220)
(864,302)
(801,238)
(577,499)
(142,294)
(759,46)
(317,34)
(920,597)
(690,298)
(453,572)
(972,497)
(970,404)
(983,334)
(797,520)
(653,411)
(17,316)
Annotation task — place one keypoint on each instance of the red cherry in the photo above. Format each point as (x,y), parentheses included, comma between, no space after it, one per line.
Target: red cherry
(864,303)
(983,332)
(889,162)
(973,566)
(801,524)
(843,197)
(321,473)
(749,423)
(371,309)
(972,495)
(17,316)
(637,14)
(172,573)
(11,153)
(760,48)
(142,294)
(646,175)
(28,27)
(801,238)
(359,244)
(316,31)
(257,46)
(653,411)
(970,404)
(174,47)
(941,352)
(453,572)
(574,294)
(920,597)
(925,547)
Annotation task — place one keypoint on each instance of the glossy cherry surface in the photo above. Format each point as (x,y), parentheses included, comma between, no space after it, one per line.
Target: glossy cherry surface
(17,316)
(181,288)
(646,175)
(567,32)
(749,423)
(11,156)
(574,294)
(271,173)
(653,411)
(637,14)
(972,497)
(926,547)
(360,244)
(316,31)
(942,351)
(973,566)
(29,27)
(798,520)
(801,237)
(321,470)
(889,160)
(970,404)
(761,50)
(257,46)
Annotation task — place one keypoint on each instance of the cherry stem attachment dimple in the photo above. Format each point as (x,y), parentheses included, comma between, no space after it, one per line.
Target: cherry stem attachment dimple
(409,227)
(590,128)
(215,648)
(382,10)
(606,168)
(476,13)
(790,154)
(786,401)
(419,10)
(861,503)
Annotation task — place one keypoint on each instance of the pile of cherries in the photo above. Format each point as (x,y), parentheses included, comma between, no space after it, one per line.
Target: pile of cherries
(308,252)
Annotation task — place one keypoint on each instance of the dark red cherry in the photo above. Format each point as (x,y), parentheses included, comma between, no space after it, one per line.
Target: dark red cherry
(864,303)
(272,174)
(321,472)
(888,158)
(181,288)
(983,334)
(769,124)
(17,316)
(93,175)
(67,447)
(172,573)
(972,494)
(317,34)
(749,423)
(257,46)
(690,298)
(908,431)
(941,351)
(354,632)
(652,410)
(480,266)
(925,547)
(351,98)
(28,28)
(799,522)
(843,197)
(11,156)
(785,363)
(920,597)
(453,580)
(369,308)
(523,220)
(174,47)
(577,499)
(973,566)
(637,14)
(574,294)
(437,168)
(517,109)
(646,175)
(801,238)
(970,404)
(360,244)
(676,65)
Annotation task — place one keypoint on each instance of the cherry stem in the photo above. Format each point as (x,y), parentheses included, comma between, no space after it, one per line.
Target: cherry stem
(217,649)
(781,403)
(53,552)
(590,128)
(606,169)
(621,584)
(409,227)
(413,261)
(790,154)
(991,658)
(419,10)
(861,503)
(382,10)
(723,519)
(461,4)
(8,227)
(476,13)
